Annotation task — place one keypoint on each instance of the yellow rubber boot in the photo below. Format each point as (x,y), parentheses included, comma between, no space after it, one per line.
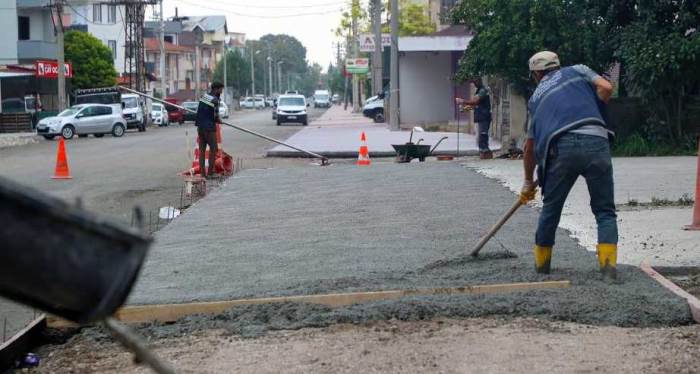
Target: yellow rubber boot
(543,259)
(607,258)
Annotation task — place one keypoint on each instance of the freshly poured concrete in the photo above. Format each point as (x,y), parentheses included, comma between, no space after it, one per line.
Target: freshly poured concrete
(390,226)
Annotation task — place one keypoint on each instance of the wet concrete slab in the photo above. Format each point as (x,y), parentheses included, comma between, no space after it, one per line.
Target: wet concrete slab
(344,228)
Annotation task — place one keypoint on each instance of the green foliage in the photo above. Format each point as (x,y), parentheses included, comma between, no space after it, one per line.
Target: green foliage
(237,71)
(414,19)
(93,65)
(509,32)
(661,52)
(638,145)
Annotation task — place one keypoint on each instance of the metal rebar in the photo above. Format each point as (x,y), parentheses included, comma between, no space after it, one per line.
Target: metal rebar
(324,160)
(135,344)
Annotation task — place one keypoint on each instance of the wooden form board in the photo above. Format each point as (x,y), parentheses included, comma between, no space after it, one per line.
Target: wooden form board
(20,342)
(693,301)
(172,312)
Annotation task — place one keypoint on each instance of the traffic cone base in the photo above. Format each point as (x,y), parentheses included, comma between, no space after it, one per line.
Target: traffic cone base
(62,170)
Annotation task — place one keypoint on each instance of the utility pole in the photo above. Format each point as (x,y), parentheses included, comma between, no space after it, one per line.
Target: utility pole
(345,72)
(377,76)
(225,70)
(394,68)
(252,74)
(62,104)
(269,66)
(355,78)
(163,83)
(279,75)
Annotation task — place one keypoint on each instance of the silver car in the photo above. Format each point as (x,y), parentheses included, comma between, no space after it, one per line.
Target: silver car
(82,120)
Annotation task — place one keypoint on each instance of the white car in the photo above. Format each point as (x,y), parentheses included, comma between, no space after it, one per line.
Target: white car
(223,110)
(248,103)
(83,119)
(159,115)
(292,108)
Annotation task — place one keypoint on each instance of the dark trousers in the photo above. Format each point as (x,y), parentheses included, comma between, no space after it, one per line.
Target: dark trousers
(579,155)
(207,137)
(483,136)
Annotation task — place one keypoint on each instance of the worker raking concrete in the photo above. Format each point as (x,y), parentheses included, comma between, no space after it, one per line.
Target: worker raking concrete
(206,120)
(567,137)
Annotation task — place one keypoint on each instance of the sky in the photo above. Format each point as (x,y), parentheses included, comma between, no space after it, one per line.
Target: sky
(311,21)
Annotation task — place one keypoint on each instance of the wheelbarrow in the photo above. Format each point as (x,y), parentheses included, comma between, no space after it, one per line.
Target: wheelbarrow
(409,151)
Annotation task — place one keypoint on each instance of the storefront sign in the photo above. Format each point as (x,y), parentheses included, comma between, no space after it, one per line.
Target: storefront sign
(357,65)
(49,69)
(367,42)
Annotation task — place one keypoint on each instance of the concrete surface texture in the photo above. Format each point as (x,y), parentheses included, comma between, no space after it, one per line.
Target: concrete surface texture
(16,139)
(649,233)
(113,175)
(337,134)
(440,346)
(390,226)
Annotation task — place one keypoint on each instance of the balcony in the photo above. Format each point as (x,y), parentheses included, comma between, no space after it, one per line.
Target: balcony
(35,50)
(32,3)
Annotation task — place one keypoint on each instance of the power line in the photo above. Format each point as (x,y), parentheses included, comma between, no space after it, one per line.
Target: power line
(261,16)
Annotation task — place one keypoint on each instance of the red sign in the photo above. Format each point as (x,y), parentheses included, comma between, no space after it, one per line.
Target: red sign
(49,69)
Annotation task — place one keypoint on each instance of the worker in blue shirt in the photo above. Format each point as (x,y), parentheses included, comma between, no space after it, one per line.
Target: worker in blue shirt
(206,119)
(567,138)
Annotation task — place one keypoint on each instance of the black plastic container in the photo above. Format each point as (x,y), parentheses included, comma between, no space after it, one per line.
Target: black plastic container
(59,258)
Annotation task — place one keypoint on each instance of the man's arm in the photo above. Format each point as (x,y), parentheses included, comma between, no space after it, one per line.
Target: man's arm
(602,86)
(474,101)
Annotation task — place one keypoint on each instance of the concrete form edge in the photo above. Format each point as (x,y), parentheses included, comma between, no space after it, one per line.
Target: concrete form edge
(173,312)
(693,301)
(353,154)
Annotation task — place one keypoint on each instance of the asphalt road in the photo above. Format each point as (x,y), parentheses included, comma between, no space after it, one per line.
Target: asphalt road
(112,175)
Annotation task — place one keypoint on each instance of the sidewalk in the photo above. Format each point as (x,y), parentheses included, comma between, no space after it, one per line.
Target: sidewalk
(648,231)
(20,138)
(336,134)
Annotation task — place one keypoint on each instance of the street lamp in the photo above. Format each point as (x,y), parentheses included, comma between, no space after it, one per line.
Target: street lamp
(252,73)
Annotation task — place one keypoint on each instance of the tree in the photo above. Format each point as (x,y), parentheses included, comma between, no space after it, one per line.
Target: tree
(237,73)
(92,61)
(508,33)
(661,50)
(414,19)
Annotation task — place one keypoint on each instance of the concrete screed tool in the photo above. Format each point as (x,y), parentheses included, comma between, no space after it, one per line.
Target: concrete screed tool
(324,160)
(494,229)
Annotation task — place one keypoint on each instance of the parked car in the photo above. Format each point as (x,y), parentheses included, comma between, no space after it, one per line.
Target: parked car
(190,105)
(175,115)
(132,110)
(159,115)
(83,119)
(269,101)
(259,103)
(322,98)
(374,108)
(292,108)
(223,110)
(248,103)
(291,92)
(336,99)
(262,97)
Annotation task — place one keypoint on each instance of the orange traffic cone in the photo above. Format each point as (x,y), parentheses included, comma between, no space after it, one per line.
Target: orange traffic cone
(363,156)
(62,170)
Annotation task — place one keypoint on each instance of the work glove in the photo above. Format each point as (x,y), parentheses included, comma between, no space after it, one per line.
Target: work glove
(527,193)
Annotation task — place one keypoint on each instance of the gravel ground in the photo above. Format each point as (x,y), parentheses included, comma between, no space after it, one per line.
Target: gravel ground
(490,345)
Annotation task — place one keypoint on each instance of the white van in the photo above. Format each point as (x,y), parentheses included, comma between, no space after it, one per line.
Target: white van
(322,98)
(132,111)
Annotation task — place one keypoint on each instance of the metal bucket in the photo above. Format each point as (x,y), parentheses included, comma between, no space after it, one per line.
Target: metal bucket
(61,259)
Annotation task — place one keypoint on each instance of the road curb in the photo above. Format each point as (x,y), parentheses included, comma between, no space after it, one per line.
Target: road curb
(353,154)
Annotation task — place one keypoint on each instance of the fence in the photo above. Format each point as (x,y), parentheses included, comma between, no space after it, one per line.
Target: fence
(15,122)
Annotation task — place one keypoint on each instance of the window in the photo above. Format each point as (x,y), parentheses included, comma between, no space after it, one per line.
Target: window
(112,44)
(169,39)
(23,28)
(104,110)
(112,14)
(97,13)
